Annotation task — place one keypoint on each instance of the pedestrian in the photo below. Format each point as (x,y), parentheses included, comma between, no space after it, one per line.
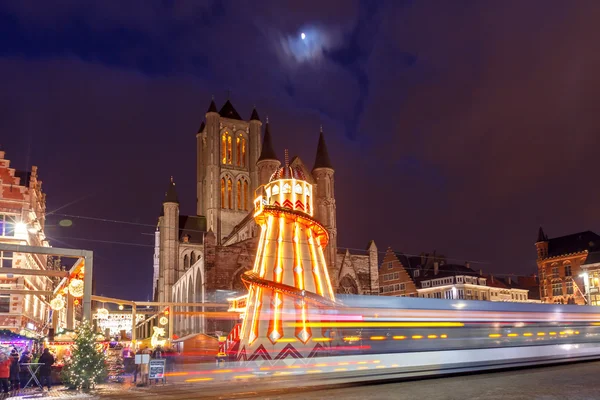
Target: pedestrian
(46,370)
(25,359)
(4,372)
(15,372)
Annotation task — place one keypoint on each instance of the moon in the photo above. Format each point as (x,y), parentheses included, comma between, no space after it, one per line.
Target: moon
(302,36)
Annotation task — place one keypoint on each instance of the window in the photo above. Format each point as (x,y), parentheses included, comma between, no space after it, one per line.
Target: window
(483,296)
(229,194)
(569,287)
(402,286)
(298,188)
(390,265)
(7,225)
(4,303)
(555,272)
(568,270)
(437,295)
(448,294)
(6,259)
(246,195)
(542,274)
(416,273)
(226,151)
(239,195)
(461,294)
(223,193)
(557,289)
(275,189)
(287,188)
(459,279)
(240,151)
(396,275)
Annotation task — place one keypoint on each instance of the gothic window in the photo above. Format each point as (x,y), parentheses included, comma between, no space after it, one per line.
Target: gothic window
(240,151)
(557,289)
(223,193)
(245,195)
(555,274)
(226,150)
(229,194)
(186,262)
(568,270)
(239,194)
(193,258)
(287,188)
(298,188)
(275,189)
(348,286)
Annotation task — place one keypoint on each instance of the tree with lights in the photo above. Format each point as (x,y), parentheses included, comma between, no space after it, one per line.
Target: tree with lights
(88,365)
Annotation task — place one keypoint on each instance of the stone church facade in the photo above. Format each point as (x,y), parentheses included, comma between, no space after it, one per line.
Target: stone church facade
(200,258)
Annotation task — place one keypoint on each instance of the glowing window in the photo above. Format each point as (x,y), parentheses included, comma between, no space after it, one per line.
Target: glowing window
(224,148)
(229,193)
(229,151)
(268,192)
(246,195)
(287,188)
(243,152)
(298,188)
(222,192)
(239,195)
(275,189)
(307,190)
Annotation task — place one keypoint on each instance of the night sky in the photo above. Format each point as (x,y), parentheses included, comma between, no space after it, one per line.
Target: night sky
(456,126)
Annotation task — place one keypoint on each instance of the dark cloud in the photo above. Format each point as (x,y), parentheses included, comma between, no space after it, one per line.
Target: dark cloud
(457,126)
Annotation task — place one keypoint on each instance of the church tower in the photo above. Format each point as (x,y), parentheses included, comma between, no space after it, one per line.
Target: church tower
(267,163)
(227,152)
(168,234)
(325,204)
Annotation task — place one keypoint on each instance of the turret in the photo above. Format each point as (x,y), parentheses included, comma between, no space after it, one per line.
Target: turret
(541,244)
(267,163)
(325,209)
(254,154)
(169,229)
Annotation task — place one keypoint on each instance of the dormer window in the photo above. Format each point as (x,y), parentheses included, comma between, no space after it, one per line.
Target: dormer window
(416,273)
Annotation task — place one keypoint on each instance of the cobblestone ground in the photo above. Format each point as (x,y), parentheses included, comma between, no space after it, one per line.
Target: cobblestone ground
(564,382)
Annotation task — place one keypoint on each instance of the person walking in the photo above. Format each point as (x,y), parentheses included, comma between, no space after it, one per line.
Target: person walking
(15,372)
(4,372)
(46,370)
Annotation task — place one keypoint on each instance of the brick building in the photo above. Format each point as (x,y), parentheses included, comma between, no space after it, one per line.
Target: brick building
(200,258)
(22,220)
(430,276)
(559,262)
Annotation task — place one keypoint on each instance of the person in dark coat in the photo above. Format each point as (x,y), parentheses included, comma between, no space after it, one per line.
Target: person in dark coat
(25,358)
(46,370)
(15,372)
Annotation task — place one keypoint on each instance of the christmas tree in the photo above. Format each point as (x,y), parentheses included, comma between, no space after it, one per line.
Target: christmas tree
(87,366)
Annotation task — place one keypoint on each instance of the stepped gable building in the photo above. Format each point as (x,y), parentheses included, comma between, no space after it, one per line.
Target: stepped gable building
(559,262)
(22,221)
(200,257)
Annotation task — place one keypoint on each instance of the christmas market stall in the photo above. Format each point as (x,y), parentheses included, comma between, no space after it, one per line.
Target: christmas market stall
(10,340)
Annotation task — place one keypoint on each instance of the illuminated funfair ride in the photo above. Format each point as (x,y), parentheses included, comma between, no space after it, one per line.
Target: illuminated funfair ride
(289,283)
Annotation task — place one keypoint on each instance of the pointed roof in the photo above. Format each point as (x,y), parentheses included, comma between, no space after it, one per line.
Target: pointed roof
(171,194)
(254,116)
(541,236)
(227,111)
(202,126)
(267,152)
(322,159)
(213,106)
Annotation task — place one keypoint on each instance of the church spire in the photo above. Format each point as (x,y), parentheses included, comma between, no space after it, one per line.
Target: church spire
(213,106)
(541,236)
(254,116)
(267,152)
(322,159)
(171,194)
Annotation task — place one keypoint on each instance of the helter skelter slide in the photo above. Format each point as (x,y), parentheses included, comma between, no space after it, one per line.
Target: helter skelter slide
(289,286)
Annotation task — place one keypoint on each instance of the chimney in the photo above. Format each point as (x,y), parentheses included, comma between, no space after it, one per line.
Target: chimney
(436,268)
(492,277)
(480,272)
(467,264)
(509,280)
